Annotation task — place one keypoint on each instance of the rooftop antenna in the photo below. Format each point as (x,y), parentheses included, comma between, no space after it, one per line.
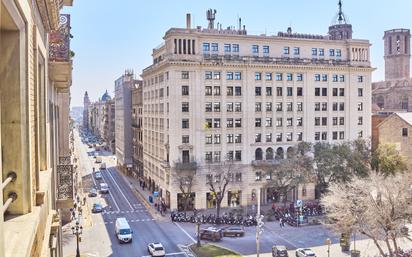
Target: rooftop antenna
(341,15)
(240,23)
(211,16)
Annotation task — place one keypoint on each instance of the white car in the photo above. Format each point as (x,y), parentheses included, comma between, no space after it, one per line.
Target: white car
(306,252)
(156,249)
(98,175)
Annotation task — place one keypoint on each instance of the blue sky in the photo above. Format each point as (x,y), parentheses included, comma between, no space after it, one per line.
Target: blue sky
(113,35)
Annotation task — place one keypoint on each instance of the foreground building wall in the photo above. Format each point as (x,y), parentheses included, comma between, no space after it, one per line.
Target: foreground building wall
(35,77)
(214,94)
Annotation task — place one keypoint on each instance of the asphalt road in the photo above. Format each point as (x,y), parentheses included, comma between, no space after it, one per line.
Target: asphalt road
(99,239)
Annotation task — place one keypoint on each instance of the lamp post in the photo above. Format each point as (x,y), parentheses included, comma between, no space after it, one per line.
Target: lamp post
(77,230)
(328,242)
(198,231)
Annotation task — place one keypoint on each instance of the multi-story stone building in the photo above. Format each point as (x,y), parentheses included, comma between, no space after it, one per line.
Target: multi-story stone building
(395,93)
(86,104)
(123,120)
(137,116)
(215,94)
(36,167)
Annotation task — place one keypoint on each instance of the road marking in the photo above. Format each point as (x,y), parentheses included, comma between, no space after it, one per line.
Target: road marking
(281,237)
(184,231)
(117,206)
(168,254)
(110,174)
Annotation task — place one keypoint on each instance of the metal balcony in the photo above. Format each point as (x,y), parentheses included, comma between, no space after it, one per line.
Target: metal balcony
(186,165)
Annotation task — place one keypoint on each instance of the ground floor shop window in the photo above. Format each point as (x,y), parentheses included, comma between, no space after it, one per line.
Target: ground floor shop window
(181,201)
(272,196)
(233,198)
(211,200)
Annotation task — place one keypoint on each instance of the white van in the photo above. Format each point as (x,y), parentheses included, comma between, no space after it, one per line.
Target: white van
(98,159)
(104,188)
(123,230)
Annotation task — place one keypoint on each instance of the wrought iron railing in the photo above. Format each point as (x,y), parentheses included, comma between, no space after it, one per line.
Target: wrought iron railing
(59,41)
(65,181)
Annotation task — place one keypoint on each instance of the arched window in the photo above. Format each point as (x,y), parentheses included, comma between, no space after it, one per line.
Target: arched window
(290,152)
(279,153)
(269,154)
(258,154)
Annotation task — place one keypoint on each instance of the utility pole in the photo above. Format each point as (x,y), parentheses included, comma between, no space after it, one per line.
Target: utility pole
(259,227)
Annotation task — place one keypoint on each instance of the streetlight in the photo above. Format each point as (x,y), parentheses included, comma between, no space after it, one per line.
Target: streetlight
(77,230)
(198,231)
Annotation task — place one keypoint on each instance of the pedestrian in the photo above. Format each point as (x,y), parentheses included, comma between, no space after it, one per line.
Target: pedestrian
(84,200)
(283,223)
(75,206)
(280,222)
(78,198)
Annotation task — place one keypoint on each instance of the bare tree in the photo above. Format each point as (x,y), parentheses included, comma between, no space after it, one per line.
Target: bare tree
(185,180)
(372,206)
(219,176)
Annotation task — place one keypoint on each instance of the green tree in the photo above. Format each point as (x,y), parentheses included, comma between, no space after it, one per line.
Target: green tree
(387,160)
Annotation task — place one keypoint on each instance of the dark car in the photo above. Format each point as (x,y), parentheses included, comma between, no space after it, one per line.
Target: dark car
(279,251)
(211,233)
(97,207)
(234,231)
(93,192)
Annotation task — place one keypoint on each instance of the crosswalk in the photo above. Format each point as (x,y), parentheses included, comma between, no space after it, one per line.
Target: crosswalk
(130,221)
(124,212)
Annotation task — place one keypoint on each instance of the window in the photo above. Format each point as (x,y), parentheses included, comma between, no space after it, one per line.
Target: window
(299,122)
(216,107)
(360,79)
(208,139)
(269,137)
(208,107)
(324,77)
(278,107)
(208,90)
(216,90)
(258,107)
(268,76)
(208,123)
(238,75)
(216,157)
(238,123)
(258,76)
(185,90)
(229,75)
(258,138)
(229,107)
(317,77)
(335,78)
(235,48)
(299,77)
(279,91)
(321,52)
(335,121)
(341,92)
(266,49)
(255,49)
(299,91)
(324,121)
(238,91)
(360,134)
(185,139)
(289,122)
(289,76)
(341,135)
(269,106)
(208,156)
(258,176)
(258,91)
(338,53)
(360,120)
(334,92)
(278,137)
(289,91)
(238,107)
(216,75)
(279,122)
(289,107)
(185,123)
(317,136)
(289,136)
(185,75)
(317,107)
(341,106)
(324,135)
(229,123)
(299,106)
(258,122)
(342,78)
(268,91)
(324,91)
(324,106)
(360,91)
(216,123)
(278,76)
(334,106)
(296,50)
(217,139)
(238,138)
(317,121)
(269,122)
(404,132)
(334,135)
(229,155)
(215,47)
(360,106)
(227,48)
(314,51)
(206,47)
(229,91)
(299,136)
(238,177)
(185,107)
(229,138)
(286,50)
(331,52)
(208,75)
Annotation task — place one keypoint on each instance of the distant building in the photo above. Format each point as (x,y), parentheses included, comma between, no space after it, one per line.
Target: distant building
(215,94)
(86,104)
(395,93)
(137,121)
(123,120)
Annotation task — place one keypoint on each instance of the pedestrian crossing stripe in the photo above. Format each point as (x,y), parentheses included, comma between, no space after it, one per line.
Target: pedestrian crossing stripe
(117,212)
(131,221)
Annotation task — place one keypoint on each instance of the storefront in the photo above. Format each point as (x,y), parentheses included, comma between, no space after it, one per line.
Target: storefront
(181,202)
(211,200)
(233,198)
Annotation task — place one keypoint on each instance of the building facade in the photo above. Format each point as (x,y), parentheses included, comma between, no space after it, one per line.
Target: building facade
(137,116)
(86,104)
(217,94)
(36,167)
(123,120)
(395,93)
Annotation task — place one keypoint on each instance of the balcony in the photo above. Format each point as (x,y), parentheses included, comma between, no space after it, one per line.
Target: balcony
(186,165)
(60,63)
(260,163)
(65,183)
(165,164)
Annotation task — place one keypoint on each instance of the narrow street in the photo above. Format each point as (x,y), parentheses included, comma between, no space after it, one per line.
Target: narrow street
(98,238)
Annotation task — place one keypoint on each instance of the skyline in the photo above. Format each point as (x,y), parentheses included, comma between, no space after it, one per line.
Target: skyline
(100,60)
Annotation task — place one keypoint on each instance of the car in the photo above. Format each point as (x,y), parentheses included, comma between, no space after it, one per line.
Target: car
(97,207)
(156,249)
(279,251)
(98,175)
(211,233)
(104,188)
(305,252)
(93,192)
(235,231)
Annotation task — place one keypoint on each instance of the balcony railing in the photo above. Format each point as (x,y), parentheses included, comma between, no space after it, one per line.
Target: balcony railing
(186,164)
(59,41)
(65,189)
(258,163)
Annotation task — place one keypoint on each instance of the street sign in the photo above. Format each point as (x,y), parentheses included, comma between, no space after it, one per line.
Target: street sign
(299,203)
(155,194)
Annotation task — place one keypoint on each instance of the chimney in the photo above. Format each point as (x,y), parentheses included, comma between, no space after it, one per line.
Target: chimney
(188,25)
